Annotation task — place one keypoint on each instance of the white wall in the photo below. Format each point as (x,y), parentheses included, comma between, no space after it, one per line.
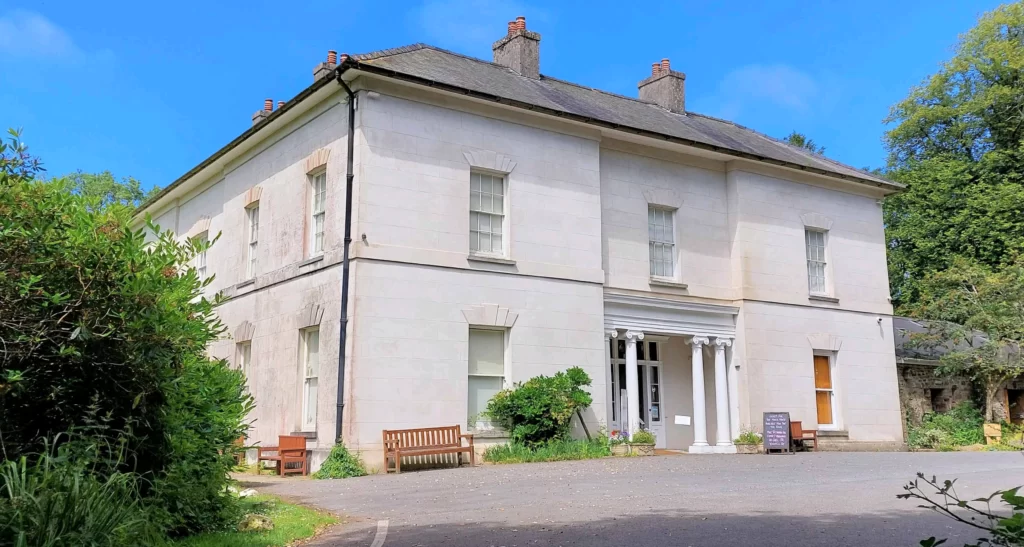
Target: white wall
(411,342)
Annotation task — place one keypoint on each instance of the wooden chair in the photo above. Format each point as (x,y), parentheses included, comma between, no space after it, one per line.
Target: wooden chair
(424,442)
(289,449)
(803,436)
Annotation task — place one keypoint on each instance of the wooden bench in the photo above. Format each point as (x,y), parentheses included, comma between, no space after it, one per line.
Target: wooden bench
(289,449)
(803,436)
(425,441)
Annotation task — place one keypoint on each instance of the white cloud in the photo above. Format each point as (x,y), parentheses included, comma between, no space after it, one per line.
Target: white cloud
(469,25)
(780,86)
(29,34)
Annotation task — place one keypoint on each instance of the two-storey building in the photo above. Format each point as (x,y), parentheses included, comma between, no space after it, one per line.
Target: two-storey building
(506,224)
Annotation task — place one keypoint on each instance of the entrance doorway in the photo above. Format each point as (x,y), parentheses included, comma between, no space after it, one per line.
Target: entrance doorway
(649,377)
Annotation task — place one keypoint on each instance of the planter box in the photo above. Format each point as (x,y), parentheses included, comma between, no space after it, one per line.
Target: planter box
(620,449)
(641,449)
(749,449)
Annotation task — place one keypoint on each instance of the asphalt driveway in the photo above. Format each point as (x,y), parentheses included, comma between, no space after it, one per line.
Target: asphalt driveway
(834,499)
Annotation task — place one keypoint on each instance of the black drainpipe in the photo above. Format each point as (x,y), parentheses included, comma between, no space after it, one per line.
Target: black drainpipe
(349,175)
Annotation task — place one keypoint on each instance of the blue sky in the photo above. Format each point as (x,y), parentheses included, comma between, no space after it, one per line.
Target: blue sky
(149,89)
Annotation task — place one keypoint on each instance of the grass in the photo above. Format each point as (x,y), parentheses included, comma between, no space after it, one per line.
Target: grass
(553,451)
(291,523)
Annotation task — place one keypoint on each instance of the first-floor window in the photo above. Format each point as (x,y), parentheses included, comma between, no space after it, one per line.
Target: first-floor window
(311,374)
(662,241)
(486,370)
(244,350)
(253,213)
(823,391)
(318,211)
(816,261)
(200,260)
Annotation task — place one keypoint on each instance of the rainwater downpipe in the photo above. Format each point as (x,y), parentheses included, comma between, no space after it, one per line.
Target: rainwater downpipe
(349,176)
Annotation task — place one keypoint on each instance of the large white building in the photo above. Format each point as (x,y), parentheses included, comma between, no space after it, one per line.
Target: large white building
(506,224)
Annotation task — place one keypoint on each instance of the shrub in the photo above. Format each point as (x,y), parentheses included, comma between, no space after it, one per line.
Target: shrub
(748,437)
(541,409)
(961,426)
(58,500)
(643,437)
(1005,525)
(555,450)
(105,333)
(340,464)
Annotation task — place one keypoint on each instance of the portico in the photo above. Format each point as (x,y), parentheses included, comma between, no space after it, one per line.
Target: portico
(649,384)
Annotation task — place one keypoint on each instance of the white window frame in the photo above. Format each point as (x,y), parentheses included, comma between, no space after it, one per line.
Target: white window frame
(614,420)
(836,418)
(201,260)
(484,425)
(243,355)
(252,224)
(504,220)
(826,261)
(653,243)
(315,179)
(307,384)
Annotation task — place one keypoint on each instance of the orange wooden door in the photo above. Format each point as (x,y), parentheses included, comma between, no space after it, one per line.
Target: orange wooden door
(823,389)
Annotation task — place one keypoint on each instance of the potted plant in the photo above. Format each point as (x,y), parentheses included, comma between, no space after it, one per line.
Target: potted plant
(749,442)
(642,443)
(618,444)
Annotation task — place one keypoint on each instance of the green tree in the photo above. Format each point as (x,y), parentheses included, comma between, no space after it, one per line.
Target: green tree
(957,146)
(801,141)
(978,317)
(103,332)
(103,189)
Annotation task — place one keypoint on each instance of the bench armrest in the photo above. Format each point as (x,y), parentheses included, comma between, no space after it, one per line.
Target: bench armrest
(260,450)
(468,437)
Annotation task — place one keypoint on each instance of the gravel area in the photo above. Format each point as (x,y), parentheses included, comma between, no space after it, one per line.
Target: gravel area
(834,499)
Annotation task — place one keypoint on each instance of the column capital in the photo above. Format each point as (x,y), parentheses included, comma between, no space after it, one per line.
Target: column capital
(634,335)
(721,342)
(698,341)
(611,333)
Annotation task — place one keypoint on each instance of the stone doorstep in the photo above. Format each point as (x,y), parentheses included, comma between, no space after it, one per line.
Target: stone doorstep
(844,445)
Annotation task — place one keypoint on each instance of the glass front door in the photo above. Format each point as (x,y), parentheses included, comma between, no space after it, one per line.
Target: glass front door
(648,354)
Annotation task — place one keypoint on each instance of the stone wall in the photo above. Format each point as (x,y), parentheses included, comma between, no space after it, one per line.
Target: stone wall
(922,391)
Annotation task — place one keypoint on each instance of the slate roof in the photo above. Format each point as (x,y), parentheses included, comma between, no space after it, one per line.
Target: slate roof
(904,327)
(426,62)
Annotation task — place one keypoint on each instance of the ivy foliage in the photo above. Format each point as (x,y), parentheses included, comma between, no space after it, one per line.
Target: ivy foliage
(541,409)
(340,464)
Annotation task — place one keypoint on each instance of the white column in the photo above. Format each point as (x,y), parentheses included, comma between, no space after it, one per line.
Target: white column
(632,381)
(722,436)
(733,365)
(700,419)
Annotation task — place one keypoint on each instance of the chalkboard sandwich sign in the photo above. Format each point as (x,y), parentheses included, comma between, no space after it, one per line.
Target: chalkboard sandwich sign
(776,433)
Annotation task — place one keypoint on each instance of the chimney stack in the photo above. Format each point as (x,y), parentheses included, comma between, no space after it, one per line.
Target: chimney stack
(260,115)
(665,87)
(323,70)
(519,49)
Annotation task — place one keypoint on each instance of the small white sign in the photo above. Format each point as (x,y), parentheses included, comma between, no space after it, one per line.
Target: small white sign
(682,420)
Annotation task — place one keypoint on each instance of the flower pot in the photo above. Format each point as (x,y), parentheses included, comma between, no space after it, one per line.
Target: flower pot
(642,449)
(620,449)
(748,449)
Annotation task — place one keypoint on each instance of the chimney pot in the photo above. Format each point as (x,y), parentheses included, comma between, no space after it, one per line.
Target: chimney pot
(512,27)
(664,65)
(280,104)
(521,23)
(664,87)
(268,104)
(332,57)
(655,69)
(344,57)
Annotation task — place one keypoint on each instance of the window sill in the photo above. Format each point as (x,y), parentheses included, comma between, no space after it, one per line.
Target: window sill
(311,260)
(489,433)
(662,282)
(830,432)
(306,434)
(823,298)
(246,283)
(491,259)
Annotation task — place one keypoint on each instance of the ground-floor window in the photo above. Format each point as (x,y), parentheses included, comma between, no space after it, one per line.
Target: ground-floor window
(311,377)
(244,352)
(486,370)
(823,391)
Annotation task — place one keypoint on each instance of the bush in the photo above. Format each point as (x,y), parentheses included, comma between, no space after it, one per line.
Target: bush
(541,409)
(58,501)
(1004,525)
(556,450)
(340,464)
(748,437)
(643,437)
(105,334)
(961,426)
